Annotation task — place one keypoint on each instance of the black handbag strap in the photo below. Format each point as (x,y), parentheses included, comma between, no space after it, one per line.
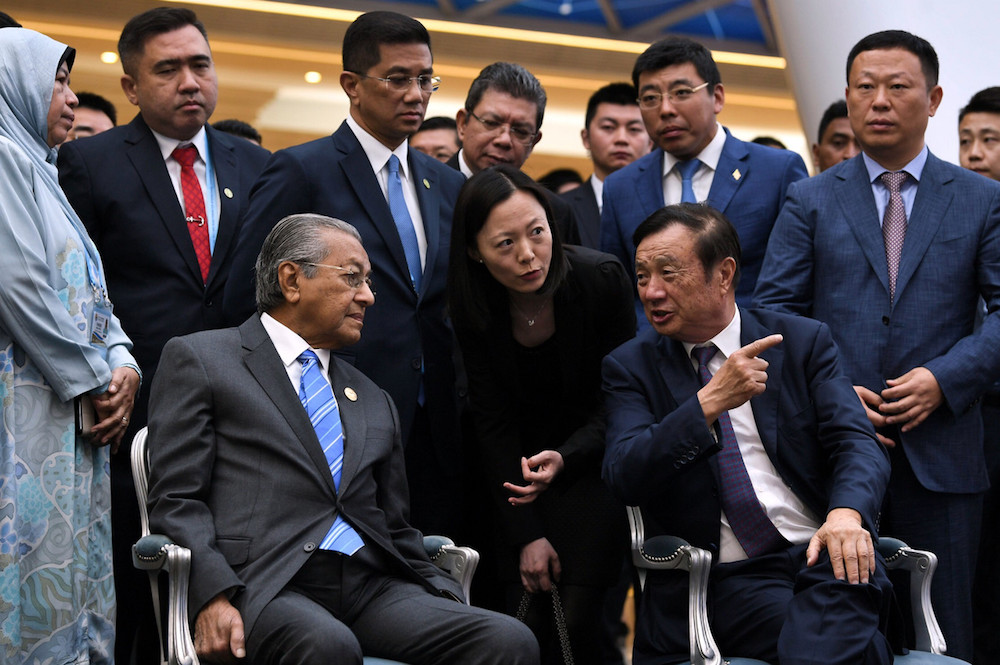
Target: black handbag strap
(558,615)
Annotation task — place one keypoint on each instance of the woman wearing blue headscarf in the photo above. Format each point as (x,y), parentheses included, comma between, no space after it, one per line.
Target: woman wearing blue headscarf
(67,380)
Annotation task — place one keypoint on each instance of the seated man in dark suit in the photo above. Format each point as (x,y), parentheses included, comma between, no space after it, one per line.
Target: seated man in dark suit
(738,431)
(281,467)
(501,123)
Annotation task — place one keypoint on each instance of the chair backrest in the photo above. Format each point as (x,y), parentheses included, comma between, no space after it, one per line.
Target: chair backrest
(140,476)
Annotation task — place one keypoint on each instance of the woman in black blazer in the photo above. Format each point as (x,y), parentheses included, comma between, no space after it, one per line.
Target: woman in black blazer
(534,319)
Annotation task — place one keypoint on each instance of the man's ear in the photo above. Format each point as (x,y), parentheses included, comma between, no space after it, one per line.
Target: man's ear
(727,271)
(128,87)
(461,119)
(349,82)
(289,276)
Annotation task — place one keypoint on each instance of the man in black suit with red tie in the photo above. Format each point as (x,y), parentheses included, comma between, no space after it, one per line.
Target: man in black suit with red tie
(163,198)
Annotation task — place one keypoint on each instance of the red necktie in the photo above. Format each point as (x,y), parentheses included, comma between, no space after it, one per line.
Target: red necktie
(194,207)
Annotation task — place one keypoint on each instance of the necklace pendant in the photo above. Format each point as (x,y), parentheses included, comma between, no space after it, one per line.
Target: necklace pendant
(531,322)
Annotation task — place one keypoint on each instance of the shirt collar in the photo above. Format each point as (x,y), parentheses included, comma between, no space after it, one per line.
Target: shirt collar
(289,345)
(709,156)
(463,166)
(167,144)
(598,185)
(727,341)
(375,150)
(914,169)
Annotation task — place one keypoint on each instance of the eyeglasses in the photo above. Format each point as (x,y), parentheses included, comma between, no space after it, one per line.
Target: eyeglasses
(517,132)
(427,84)
(353,278)
(652,99)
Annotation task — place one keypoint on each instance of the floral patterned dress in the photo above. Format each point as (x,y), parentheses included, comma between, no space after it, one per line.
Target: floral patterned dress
(57,598)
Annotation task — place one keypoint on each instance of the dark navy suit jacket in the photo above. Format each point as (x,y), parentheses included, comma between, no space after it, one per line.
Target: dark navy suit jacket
(749,187)
(583,202)
(660,453)
(827,260)
(405,330)
(118,183)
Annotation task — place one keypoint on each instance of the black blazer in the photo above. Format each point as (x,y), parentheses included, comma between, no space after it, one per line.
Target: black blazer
(583,202)
(117,182)
(594,314)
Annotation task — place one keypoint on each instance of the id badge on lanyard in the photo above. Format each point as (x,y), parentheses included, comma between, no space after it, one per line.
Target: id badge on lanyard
(100,316)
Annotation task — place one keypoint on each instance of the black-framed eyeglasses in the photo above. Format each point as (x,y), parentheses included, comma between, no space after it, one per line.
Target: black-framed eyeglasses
(353,278)
(401,84)
(653,99)
(519,133)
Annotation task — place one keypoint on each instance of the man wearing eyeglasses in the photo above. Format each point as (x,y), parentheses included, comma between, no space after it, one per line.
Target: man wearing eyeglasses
(500,124)
(696,159)
(401,202)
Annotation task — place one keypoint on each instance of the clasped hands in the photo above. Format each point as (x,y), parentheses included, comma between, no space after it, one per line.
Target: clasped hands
(539,471)
(907,401)
(114,407)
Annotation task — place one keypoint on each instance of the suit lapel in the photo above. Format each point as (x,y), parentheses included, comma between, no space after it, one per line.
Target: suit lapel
(853,191)
(677,370)
(731,170)
(929,208)
(649,183)
(429,198)
(144,154)
(227,180)
(765,405)
(358,173)
(353,421)
(264,363)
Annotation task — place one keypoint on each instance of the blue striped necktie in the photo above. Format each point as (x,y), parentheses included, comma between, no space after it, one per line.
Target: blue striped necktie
(317,398)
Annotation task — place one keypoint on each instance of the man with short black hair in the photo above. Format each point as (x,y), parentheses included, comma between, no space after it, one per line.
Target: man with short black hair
(696,159)
(614,135)
(979,133)
(437,137)
(93,115)
(893,249)
(835,141)
(401,202)
(165,232)
(501,123)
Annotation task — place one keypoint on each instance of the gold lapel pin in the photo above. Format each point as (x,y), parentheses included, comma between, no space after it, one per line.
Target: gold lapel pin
(737,175)
(228,192)
(350,394)
(427,184)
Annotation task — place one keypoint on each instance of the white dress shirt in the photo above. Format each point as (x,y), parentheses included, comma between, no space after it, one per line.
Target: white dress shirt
(202,169)
(789,514)
(289,347)
(701,182)
(378,155)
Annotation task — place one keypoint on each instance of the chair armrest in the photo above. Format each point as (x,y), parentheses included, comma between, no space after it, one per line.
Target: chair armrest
(459,562)
(921,565)
(672,553)
(155,553)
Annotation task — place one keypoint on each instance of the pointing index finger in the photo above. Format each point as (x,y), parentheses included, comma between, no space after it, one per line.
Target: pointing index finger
(755,348)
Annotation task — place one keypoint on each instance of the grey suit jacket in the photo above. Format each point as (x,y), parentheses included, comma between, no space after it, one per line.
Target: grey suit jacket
(238,475)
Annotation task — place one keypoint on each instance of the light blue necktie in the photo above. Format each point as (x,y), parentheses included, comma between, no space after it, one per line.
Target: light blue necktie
(404,223)
(687,170)
(317,398)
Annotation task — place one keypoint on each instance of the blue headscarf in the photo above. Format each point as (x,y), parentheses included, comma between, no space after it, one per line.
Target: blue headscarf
(29,62)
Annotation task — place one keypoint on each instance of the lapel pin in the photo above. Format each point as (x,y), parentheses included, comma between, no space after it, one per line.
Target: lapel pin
(350,394)
(228,192)
(427,184)
(737,175)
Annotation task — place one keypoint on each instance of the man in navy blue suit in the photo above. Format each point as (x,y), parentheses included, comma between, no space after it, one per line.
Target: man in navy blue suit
(389,77)
(904,316)
(680,93)
(127,186)
(738,431)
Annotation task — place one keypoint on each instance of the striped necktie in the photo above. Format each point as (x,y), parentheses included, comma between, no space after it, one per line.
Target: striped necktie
(317,398)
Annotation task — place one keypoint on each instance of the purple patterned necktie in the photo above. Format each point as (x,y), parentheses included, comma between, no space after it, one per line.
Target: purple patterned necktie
(755,531)
(893,225)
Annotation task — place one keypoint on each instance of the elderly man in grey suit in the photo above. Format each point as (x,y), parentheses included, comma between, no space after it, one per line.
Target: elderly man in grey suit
(281,468)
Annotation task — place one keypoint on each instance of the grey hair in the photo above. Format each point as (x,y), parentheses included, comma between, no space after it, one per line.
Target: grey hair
(295,238)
